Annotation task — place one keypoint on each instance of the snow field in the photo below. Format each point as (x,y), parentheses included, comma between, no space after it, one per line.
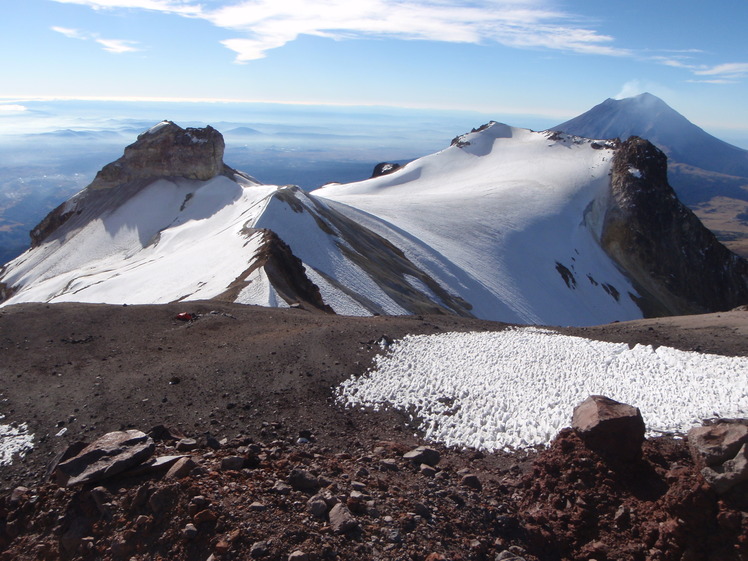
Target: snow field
(517,388)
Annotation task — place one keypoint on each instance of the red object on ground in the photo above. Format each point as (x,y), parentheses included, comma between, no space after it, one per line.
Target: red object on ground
(186,316)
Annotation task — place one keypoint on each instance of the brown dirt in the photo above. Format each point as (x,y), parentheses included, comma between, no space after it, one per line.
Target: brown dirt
(257,375)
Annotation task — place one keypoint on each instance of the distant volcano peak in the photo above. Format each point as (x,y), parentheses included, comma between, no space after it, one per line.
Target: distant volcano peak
(167,150)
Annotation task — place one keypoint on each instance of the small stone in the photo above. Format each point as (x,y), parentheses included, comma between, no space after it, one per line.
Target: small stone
(205,517)
(427,470)
(258,550)
(186,444)
(108,455)
(423,455)
(715,444)
(189,531)
(298,555)
(394,536)
(18,494)
(222,547)
(181,468)
(729,474)
(317,506)
(471,480)
(212,442)
(232,463)
(302,480)
(507,555)
(422,510)
(282,488)
(257,507)
(161,499)
(341,519)
(389,464)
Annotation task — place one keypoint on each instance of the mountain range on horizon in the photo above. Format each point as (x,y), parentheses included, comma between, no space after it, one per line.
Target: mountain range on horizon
(505,224)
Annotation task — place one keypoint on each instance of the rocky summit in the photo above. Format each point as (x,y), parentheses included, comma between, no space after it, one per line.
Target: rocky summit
(167,150)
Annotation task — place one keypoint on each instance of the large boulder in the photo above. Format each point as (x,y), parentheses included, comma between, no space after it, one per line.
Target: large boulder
(109,455)
(613,429)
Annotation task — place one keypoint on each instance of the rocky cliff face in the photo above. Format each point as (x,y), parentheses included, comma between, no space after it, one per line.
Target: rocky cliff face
(167,150)
(678,265)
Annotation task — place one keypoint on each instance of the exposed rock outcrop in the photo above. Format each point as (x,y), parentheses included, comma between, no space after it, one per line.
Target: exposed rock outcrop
(384,168)
(678,265)
(285,272)
(166,150)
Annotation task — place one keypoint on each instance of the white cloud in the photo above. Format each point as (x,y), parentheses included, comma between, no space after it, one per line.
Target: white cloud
(169,6)
(118,46)
(269,24)
(730,70)
(715,81)
(70,33)
(263,25)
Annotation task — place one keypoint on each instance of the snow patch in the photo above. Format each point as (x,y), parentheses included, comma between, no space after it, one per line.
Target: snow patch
(157,127)
(260,292)
(517,388)
(635,172)
(15,442)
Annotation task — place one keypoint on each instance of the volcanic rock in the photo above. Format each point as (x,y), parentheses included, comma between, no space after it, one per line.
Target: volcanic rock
(111,454)
(715,444)
(167,150)
(678,265)
(384,168)
(731,473)
(232,463)
(302,480)
(614,429)
(341,519)
(423,455)
(181,468)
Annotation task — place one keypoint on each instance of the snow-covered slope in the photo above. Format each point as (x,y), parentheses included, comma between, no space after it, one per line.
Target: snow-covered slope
(506,224)
(509,220)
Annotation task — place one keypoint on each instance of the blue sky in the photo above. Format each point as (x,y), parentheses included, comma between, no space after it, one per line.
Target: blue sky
(546,58)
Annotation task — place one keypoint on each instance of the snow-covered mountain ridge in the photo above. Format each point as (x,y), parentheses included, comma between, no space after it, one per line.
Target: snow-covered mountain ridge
(505,224)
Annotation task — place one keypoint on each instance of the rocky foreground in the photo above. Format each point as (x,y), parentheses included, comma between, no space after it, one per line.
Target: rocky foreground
(216,439)
(595,493)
